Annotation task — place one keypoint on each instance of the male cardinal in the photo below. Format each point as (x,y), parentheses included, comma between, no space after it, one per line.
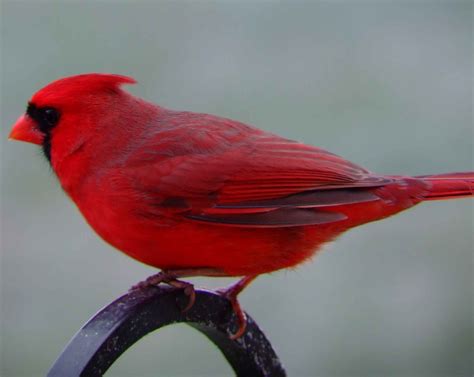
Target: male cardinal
(200,195)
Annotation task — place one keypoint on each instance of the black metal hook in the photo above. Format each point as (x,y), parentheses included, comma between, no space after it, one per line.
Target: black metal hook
(129,318)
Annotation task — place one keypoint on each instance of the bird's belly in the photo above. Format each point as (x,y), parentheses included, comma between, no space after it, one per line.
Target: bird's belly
(173,242)
(235,251)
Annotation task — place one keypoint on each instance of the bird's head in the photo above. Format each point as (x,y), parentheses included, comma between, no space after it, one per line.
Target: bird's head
(70,102)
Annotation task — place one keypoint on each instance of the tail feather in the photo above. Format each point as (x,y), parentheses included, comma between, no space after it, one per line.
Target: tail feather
(449,186)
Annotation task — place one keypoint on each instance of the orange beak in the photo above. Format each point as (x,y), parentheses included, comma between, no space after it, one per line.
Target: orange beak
(25,129)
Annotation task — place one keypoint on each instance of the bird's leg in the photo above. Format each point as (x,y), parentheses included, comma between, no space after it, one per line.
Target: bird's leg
(231,294)
(170,277)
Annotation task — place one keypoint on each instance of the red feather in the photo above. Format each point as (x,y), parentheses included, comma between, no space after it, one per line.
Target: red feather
(181,190)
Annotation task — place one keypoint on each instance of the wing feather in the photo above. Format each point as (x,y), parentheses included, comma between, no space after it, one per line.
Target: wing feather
(285,217)
(231,174)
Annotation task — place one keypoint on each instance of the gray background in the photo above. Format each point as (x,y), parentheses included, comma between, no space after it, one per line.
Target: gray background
(385,84)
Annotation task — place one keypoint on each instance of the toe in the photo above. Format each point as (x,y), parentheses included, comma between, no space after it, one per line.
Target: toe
(189,291)
(240,331)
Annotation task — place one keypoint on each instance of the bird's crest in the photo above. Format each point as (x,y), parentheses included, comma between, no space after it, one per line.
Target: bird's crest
(74,86)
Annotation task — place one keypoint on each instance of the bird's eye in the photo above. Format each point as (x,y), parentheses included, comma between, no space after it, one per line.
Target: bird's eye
(50,116)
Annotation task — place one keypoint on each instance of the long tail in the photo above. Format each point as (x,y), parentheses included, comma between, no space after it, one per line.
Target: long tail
(449,186)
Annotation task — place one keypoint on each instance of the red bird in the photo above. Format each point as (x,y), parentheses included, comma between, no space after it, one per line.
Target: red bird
(200,195)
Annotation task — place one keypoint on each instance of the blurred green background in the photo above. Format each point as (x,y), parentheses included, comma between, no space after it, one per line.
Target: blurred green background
(386,84)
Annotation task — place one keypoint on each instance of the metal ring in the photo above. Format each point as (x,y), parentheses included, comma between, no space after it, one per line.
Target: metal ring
(129,318)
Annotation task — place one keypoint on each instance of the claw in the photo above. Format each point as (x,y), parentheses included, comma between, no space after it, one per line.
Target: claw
(241,319)
(231,294)
(188,290)
(170,279)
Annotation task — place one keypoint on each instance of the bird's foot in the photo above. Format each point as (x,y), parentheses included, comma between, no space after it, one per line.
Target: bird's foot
(231,293)
(169,278)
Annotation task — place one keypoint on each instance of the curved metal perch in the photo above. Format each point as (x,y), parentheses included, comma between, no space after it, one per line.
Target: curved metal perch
(129,318)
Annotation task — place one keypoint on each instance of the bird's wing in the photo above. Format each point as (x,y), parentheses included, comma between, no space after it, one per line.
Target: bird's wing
(256,180)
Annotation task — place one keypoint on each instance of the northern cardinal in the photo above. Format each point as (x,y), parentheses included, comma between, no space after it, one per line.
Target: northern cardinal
(200,195)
